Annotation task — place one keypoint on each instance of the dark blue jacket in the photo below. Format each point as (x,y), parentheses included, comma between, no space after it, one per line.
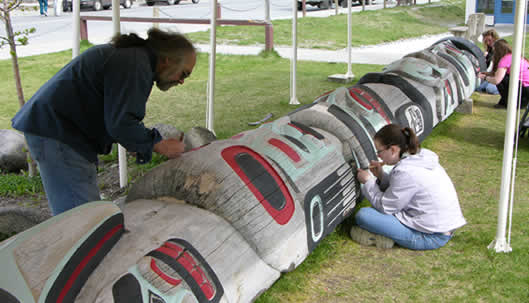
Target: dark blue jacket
(97,99)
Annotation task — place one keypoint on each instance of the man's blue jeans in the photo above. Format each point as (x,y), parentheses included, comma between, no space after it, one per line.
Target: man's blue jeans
(376,222)
(68,178)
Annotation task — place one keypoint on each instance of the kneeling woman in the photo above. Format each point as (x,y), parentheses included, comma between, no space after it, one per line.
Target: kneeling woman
(415,205)
(501,70)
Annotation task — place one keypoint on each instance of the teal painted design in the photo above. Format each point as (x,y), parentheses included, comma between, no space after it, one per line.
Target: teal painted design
(316,150)
(448,48)
(147,289)
(342,99)
(419,70)
(11,277)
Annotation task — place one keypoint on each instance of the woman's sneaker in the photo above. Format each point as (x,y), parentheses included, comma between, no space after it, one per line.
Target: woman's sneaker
(364,237)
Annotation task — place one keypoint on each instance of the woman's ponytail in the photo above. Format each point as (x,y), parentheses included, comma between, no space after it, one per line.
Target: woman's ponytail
(403,137)
(411,139)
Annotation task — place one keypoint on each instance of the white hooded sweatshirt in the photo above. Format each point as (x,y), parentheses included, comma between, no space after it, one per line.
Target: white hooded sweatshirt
(419,193)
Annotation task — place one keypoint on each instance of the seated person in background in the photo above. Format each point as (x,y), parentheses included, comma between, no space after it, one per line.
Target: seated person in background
(500,75)
(415,205)
(488,38)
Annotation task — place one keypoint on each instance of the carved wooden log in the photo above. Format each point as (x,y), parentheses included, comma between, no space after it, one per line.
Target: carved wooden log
(174,250)
(429,79)
(227,218)
(52,261)
(453,91)
(258,182)
(464,66)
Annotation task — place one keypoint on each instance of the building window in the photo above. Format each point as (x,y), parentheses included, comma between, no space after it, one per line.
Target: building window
(486,6)
(507,6)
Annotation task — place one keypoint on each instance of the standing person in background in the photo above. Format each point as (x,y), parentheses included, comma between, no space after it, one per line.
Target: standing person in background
(488,38)
(98,99)
(501,70)
(415,205)
(43,4)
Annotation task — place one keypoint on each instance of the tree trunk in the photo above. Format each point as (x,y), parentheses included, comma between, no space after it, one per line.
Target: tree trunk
(32,170)
(14,57)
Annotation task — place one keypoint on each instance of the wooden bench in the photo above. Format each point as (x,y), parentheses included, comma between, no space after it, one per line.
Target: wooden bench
(459,31)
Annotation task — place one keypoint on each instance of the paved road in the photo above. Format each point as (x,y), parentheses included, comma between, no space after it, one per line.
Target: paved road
(54,33)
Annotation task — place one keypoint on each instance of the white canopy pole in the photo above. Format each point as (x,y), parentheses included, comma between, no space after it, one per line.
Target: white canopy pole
(500,244)
(349,41)
(76,14)
(122,152)
(293,98)
(212,58)
(348,77)
(267,10)
(116,23)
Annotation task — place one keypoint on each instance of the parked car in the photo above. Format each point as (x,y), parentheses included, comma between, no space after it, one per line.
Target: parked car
(169,2)
(324,4)
(96,5)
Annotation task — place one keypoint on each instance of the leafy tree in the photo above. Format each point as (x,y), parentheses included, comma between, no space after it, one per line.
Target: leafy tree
(13,39)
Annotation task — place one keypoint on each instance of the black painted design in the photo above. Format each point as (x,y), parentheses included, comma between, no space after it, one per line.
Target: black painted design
(410,91)
(322,217)
(303,107)
(79,256)
(381,104)
(297,143)
(411,115)
(308,130)
(127,290)
(186,275)
(262,180)
(6,297)
(465,44)
(457,65)
(154,298)
(356,129)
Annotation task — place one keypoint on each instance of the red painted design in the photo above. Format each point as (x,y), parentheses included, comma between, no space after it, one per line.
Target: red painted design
(280,216)
(453,49)
(171,249)
(68,285)
(188,262)
(197,148)
(447,85)
(325,94)
(352,93)
(208,290)
(374,102)
(292,154)
(164,276)
(237,136)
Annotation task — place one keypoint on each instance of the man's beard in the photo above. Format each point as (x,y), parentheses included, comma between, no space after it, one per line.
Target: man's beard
(165,85)
(163,82)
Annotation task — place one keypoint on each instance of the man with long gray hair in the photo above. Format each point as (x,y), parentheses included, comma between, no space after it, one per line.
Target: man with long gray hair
(98,99)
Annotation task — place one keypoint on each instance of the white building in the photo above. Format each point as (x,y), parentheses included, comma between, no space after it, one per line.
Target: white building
(497,11)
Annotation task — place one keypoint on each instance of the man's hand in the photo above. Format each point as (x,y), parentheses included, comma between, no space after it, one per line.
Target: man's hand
(171,148)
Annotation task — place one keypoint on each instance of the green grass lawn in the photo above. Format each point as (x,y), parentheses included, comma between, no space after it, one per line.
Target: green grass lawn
(470,148)
(368,27)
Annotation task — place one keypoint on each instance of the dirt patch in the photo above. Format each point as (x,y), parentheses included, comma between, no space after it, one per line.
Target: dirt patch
(108,180)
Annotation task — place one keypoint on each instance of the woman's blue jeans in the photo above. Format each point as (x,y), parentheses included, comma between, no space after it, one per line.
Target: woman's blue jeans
(43,6)
(68,178)
(376,222)
(488,88)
